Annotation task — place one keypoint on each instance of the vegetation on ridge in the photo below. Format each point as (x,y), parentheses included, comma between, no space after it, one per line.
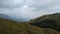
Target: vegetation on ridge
(47,21)
(47,24)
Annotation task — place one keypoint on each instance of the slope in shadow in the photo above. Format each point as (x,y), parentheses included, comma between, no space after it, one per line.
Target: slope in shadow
(47,23)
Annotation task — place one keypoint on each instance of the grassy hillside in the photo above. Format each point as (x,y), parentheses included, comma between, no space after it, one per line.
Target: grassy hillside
(48,24)
(47,21)
(12,27)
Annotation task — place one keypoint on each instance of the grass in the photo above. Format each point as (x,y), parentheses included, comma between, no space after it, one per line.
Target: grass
(12,27)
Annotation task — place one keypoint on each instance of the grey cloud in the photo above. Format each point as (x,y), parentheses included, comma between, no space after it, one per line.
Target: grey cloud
(44,4)
(33,9)
(11,3)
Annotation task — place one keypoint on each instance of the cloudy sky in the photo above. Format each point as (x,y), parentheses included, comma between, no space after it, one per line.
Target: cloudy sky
(29,8)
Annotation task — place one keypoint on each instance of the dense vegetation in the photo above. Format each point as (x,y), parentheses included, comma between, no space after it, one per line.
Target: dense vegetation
(47,24)
(47,21)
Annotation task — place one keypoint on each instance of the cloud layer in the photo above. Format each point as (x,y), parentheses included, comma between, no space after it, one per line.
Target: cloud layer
(29,8)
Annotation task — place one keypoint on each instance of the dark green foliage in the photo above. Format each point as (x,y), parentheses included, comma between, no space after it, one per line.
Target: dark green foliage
(48,21)
(45,23)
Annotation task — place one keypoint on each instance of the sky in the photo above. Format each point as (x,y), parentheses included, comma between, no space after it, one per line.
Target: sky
(29,8)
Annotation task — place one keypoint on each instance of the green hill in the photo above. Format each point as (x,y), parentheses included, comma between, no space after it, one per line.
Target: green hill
(12,27)
(47,21)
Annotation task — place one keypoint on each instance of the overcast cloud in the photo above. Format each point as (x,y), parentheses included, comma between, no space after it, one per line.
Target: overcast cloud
(29,8)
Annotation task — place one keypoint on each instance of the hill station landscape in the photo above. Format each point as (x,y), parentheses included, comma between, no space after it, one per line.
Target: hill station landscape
(46,24)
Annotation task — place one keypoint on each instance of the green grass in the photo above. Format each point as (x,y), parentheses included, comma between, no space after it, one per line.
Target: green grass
(12,27)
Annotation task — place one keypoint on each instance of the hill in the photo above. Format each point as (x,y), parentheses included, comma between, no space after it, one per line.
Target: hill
(11,18)
(47,21)
(12,27)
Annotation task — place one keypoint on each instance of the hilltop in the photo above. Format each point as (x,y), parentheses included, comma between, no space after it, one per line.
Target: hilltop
(47,21)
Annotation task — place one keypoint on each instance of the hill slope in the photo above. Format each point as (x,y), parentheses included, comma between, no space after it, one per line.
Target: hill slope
(47,21)
(11,27)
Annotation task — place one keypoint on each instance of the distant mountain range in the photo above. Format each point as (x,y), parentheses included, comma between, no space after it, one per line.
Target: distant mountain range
(11,18)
